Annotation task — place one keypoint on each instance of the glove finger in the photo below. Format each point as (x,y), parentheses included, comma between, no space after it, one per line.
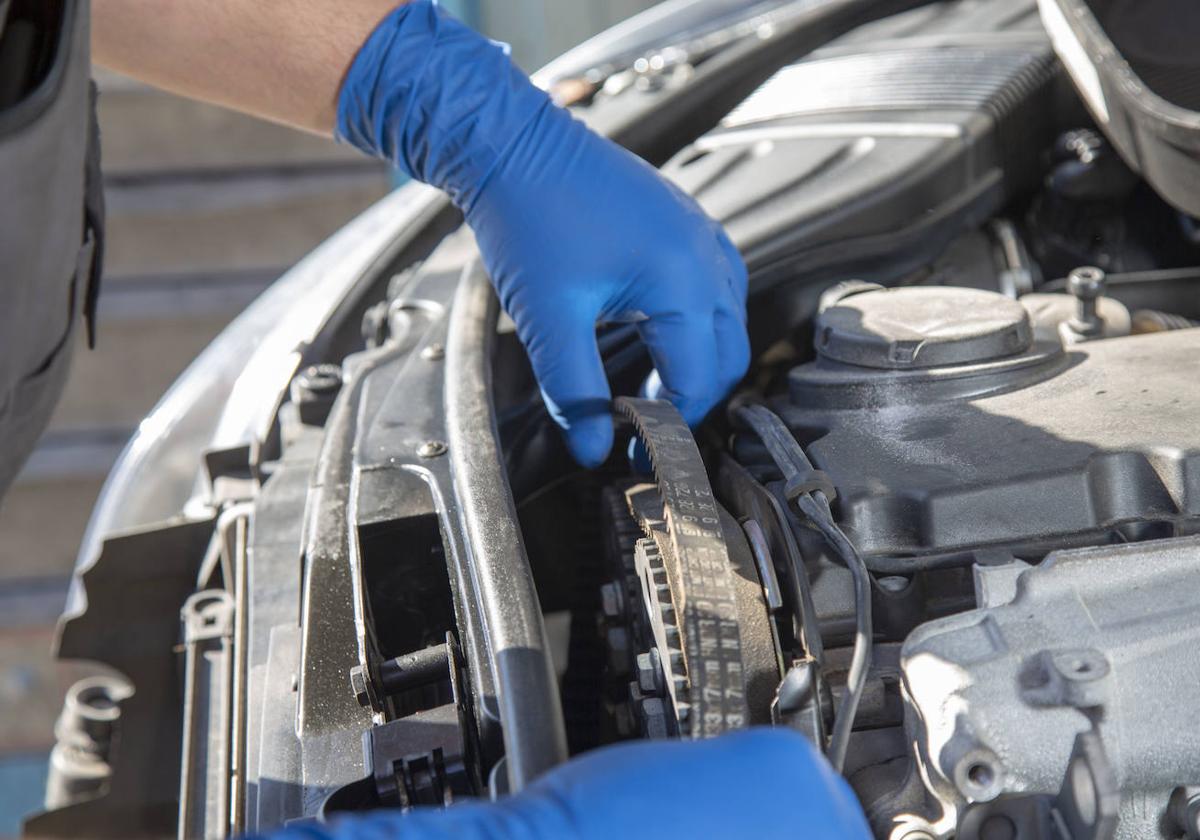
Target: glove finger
(684,350)
(739,279)
(733,349)
(569,369)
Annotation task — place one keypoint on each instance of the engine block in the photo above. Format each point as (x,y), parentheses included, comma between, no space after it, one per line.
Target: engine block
(947,427)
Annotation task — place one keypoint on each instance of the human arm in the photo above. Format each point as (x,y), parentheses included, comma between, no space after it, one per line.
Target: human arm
(573,230)
(283,60)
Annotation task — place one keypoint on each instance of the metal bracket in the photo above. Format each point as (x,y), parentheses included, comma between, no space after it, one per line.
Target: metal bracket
(426,758)
(1085,808)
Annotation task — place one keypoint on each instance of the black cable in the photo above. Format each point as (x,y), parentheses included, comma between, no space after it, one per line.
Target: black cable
(860,659)
(801,586)
(798,471)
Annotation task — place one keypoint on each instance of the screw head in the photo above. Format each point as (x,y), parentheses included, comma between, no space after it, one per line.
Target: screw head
(320,379)
(649,672)
(653,713)
(358,682)
(434,353)
(1086,282)
(431,449)
(611,599)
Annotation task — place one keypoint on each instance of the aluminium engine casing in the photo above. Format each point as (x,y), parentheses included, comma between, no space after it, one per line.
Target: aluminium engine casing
(1104,638)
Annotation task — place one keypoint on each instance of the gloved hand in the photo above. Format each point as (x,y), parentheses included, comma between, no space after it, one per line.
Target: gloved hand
(761,784)
(572,228)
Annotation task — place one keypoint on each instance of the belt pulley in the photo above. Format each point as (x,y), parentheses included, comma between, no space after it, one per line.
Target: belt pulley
(688,579)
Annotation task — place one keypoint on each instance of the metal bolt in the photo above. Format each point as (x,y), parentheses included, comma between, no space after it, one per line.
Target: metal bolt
(431,449)
(313,391)
(433,353)
(359,683)
(1087,284)
(611,599)
(649,672)
(320,380)
(654,717)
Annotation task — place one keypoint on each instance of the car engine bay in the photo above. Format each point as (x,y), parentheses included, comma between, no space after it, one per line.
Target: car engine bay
(948,527)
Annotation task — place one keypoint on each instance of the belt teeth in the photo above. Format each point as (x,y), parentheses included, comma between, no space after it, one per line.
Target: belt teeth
(700,568)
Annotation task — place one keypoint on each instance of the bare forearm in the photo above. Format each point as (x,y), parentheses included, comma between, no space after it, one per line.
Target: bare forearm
(283,60)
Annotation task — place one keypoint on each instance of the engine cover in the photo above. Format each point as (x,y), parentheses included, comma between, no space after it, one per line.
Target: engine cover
(879,148)
(948,428)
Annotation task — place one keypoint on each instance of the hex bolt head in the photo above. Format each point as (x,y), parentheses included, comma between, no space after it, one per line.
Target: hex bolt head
(612,599)
(432,449)
(654,717)
(320,380)
(650,672)
(358,683)
(434,352)
(313,391)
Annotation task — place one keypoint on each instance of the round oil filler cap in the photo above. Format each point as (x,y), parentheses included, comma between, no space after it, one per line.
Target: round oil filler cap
(918,327)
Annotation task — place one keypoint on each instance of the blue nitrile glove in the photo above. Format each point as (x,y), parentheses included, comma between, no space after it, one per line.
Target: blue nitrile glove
(572,228)
(761,784)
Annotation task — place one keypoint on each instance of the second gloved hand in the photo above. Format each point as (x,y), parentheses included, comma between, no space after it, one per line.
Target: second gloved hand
(573,229)
(765,784)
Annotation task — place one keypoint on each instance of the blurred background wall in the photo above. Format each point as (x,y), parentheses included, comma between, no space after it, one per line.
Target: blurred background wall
(205,209)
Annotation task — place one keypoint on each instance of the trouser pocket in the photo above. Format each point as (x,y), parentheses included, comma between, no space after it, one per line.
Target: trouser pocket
(31,400)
